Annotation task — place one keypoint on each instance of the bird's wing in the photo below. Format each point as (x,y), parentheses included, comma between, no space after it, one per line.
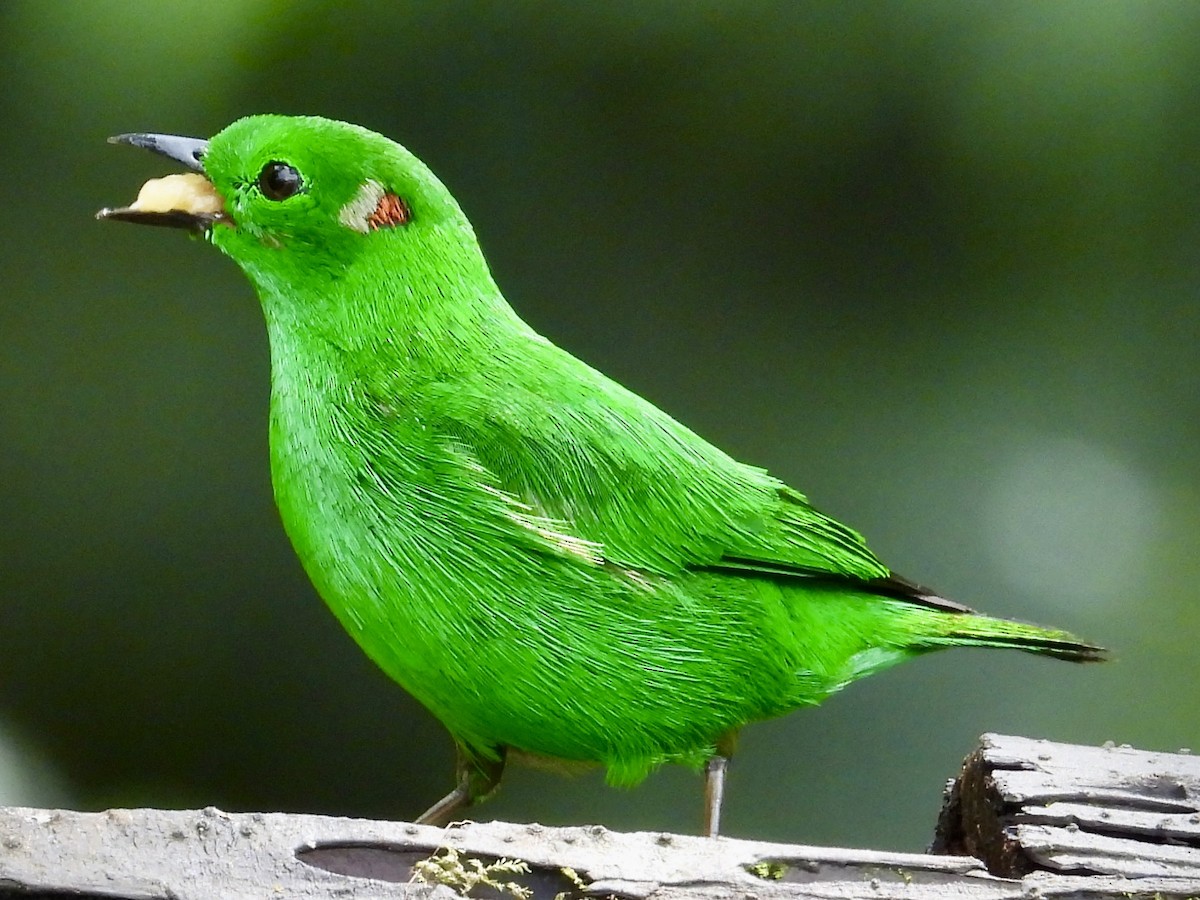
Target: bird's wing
(593,461)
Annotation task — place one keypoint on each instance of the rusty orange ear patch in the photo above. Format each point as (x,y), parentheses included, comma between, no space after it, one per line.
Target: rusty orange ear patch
(374,207)
(389,211)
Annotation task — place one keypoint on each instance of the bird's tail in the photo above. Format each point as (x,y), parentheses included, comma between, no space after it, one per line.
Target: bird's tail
(972,630)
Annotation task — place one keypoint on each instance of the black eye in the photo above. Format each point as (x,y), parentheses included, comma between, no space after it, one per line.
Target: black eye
(278,181)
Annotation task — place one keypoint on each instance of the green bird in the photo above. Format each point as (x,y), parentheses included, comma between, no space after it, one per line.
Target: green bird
(554,567)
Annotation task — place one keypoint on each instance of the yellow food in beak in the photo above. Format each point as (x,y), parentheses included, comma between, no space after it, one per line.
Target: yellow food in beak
(189,193)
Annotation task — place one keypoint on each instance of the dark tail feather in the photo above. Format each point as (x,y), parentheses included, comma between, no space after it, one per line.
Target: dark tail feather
(960,626)
(967,629)
(1064,646)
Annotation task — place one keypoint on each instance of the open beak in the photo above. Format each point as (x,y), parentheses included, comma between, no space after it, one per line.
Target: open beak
(176,201)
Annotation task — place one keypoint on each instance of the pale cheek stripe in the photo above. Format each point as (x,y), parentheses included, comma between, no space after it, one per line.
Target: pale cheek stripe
(358,211)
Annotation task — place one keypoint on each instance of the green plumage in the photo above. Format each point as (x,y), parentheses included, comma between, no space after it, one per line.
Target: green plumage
(548,562)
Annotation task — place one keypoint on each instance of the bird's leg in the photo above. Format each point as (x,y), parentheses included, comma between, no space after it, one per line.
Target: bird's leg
(714,781)
(714,793)
(477,779)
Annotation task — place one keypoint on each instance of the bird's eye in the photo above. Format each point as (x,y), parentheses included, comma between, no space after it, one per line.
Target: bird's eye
(278,181)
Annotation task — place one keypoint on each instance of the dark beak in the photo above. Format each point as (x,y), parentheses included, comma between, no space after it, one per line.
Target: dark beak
(186,150)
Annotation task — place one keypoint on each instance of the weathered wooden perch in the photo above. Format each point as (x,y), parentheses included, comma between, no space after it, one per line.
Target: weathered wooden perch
(1064,821)
(1022,805)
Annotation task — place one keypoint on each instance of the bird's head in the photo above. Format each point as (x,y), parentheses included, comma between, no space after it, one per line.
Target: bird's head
(307,201)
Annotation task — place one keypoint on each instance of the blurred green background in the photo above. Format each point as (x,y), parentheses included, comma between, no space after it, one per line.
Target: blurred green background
(935,263)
